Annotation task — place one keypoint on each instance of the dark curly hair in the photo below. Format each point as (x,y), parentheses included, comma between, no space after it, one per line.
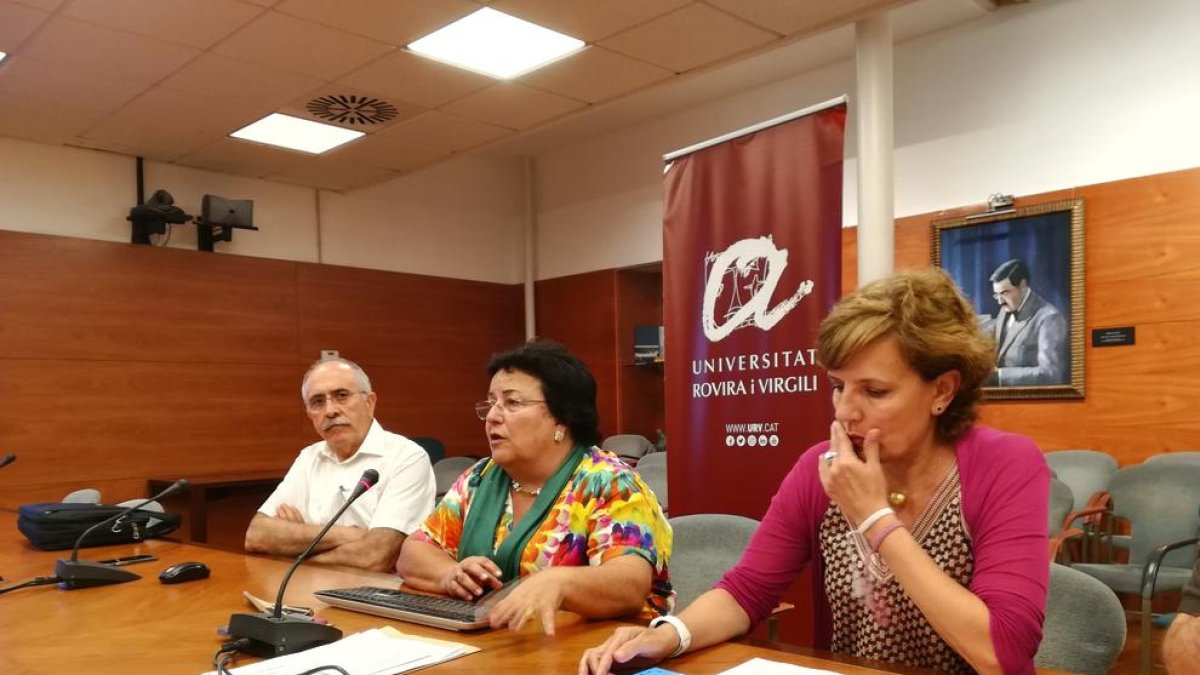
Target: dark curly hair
(935,327)
(567,384)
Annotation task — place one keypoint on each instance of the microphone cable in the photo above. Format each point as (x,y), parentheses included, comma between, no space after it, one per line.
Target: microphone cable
(36,581)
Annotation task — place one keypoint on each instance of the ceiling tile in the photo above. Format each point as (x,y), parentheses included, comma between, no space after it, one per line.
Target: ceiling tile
(786,17)
(217,76)
(595,74)
(389,154)
(512,105)
(359,105)
(244,158)
(332,173)
(439,130)
(416,79)
(286,43)
(396,22)
(18,22)
(588,20)
(66,86)
(196,24)
(688,38)
(171,123)
(105,51)
(23,116)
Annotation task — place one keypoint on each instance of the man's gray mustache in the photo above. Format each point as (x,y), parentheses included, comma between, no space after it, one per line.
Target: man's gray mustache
(334,423)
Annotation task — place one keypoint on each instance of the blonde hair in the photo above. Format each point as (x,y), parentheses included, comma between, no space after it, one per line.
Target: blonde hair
(935,327)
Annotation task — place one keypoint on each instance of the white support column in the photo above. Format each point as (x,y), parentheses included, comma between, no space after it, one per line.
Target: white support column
(876,205)
(530,232)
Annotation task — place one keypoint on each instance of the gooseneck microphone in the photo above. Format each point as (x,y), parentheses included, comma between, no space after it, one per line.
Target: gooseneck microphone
(7,459)
(76,573)
(272,634)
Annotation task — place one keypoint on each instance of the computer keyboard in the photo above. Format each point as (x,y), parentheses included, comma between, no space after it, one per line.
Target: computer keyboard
(428,610)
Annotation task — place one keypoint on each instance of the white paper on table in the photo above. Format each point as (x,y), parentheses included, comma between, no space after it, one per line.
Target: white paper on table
(764,667)
(379,651)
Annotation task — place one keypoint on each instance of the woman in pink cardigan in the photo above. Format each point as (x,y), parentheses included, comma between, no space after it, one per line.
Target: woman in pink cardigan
(927,532)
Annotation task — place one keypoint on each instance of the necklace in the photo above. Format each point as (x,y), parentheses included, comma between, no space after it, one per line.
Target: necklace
(532,492)
(897,499)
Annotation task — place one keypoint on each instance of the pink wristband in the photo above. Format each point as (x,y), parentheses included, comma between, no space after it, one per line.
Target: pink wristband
(891,527)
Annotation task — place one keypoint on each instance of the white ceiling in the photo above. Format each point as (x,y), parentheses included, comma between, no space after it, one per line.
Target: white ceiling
(170,79)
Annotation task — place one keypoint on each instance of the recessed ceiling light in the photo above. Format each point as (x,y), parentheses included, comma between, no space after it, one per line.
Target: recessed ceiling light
(294,133)
(496,44)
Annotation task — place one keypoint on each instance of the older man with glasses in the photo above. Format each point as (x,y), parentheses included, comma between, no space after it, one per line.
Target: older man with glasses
(338,397)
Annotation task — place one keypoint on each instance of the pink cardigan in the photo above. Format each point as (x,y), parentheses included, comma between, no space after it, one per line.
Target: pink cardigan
(1005,486)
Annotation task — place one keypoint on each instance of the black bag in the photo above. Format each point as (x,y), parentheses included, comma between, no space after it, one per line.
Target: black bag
(56,526)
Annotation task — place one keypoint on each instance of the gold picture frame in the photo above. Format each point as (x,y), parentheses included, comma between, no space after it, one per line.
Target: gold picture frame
(1022,269)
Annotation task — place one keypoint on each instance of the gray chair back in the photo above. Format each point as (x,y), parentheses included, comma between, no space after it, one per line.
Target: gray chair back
(653,470)
(705,546)
(629,447)
(1086,472)
(1061,503)
(84,496)
(446,471)
(1181,457)
(1084,630)
(1161,501)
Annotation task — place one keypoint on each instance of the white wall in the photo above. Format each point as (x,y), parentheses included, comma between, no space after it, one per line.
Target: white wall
(1027,99)
(460,219)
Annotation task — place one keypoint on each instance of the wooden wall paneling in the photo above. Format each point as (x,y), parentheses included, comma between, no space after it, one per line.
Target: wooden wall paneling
(580,311)
(85,423)
(424,341)
(66,298)
(639,302)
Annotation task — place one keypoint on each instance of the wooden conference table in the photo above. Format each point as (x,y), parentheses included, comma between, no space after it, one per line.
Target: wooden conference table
(147,627)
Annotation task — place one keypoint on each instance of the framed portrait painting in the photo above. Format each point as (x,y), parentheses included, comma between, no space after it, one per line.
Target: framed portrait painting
(1022,269)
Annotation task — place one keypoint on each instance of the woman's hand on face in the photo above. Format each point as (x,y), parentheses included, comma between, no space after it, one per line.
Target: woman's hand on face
(540,594)
(856,485)
(471,578)
(628,648)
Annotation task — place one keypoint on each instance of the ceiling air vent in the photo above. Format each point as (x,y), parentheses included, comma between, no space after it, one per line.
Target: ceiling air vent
(352,109)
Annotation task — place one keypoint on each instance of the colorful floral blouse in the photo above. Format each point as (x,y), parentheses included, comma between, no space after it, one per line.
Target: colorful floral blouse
(605,511)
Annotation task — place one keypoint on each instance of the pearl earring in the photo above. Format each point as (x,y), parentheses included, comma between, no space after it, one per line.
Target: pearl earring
(558,435)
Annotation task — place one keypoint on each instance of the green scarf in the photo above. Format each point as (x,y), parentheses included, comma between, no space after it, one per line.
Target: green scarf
(487,507)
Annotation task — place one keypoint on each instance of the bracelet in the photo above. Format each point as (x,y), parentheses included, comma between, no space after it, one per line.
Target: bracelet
(883,534)
(872,519)
(685,635)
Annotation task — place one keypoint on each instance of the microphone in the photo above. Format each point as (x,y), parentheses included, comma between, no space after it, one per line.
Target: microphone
(76,573)
(270,633)
(7,459)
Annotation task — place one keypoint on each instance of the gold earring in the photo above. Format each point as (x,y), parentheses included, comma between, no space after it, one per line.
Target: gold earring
(937,410)
(558,435)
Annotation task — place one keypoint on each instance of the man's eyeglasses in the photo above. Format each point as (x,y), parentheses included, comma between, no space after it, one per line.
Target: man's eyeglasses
(508,405)
(317,402)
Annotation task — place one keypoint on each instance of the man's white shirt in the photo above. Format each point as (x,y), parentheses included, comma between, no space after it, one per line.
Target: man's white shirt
(318,484)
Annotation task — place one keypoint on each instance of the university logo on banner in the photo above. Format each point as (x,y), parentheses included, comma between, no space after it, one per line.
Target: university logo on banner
(752,263)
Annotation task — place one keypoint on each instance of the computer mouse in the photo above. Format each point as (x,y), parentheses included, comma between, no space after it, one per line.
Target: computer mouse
(184,571)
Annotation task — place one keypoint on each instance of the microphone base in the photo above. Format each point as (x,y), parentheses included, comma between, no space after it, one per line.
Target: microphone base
(270,636)
(74,574)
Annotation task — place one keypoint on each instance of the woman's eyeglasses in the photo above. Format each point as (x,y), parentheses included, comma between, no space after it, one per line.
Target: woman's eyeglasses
(508,405)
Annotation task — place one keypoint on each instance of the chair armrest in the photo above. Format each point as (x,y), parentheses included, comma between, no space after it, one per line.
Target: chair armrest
(1150,571)
(1083,513)
(1057,540)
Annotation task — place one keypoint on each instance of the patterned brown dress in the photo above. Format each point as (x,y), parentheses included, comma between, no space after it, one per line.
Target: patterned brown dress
(872,615)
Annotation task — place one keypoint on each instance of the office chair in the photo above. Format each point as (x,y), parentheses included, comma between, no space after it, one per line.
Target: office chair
(1161,501)
(84,496)
(1087,473)
(1084,631)
(629,447)
(1181,457)
(446,471)
(432,446)
(653,469)
(705,546)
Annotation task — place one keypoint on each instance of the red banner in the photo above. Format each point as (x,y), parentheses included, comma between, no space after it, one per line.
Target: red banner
(752,263)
